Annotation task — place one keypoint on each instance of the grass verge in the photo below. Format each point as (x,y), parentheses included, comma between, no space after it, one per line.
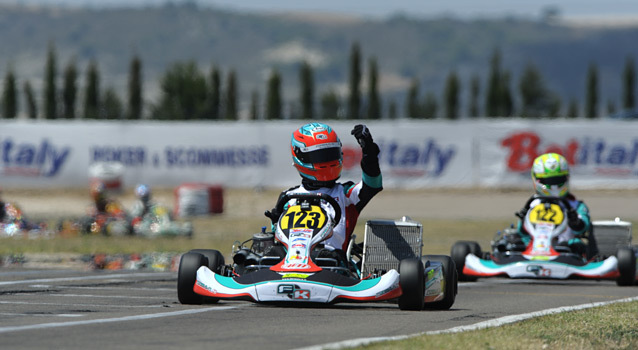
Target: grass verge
(606,327)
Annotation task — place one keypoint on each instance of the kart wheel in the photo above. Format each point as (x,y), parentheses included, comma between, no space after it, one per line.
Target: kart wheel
(459,251)
(412,282)
(186,277)
(451,282)
(215,258)
(626,266)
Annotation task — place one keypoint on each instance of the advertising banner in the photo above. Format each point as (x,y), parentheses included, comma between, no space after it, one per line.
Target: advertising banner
(414,154)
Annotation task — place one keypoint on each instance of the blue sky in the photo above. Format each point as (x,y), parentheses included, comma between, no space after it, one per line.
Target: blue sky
(383,8)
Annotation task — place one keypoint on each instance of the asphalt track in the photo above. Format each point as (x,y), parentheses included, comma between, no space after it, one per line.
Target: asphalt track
(71,309)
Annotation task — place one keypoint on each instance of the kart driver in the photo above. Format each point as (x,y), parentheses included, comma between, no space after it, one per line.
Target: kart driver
(144,201)
(317,156)
(550,176)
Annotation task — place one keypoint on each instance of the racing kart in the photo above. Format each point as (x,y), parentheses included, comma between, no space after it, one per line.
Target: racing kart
(114,221)
(14,224)
(304,272)
(158,222)
(542,258)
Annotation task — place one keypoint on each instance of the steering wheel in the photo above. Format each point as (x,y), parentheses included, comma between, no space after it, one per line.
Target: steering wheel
(545,199)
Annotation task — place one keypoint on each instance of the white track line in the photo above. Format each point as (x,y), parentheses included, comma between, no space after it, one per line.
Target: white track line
(110,320)
(102,288)
(78,305)
(49,315)
(83,278)
(497,322)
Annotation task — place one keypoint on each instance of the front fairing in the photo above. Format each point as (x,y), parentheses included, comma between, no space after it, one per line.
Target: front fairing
(322,287)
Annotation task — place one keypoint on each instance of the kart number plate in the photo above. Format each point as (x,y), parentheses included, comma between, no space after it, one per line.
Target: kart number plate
(295,217)
(542,213)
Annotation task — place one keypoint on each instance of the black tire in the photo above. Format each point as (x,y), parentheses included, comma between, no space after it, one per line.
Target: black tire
(626,266)
(412,282)
(475,248)
(215,258)
(451,282)
(186,277)
(459,251)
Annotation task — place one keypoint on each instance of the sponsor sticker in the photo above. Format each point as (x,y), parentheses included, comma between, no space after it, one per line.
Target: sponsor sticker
(295,275)
(293,291)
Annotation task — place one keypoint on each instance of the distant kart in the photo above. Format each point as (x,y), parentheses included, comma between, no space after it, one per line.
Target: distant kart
(158,222)
(14,224)
(303,275)
(114,222)
(541,258)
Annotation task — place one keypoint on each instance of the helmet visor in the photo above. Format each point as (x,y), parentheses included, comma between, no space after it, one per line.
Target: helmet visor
(554,180)
(319,154)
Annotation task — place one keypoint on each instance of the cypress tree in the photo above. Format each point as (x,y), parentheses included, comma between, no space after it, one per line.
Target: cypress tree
(69,93)
(374,101)
(534,96)
(9,96)
(92,92)
(32,106)
(629,85)
(306,98)
(231,97)
(354,99)
(475,90)
(493,97)
(135,99)
(505,96)
(254,105)
(273,96)
(452,87)
(50,89)
(214,93)
(591,99)
(413,108)
(112,107)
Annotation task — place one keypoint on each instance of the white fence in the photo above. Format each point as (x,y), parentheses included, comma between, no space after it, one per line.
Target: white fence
(603,154)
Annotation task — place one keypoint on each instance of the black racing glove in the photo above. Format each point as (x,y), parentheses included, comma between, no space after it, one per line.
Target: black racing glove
(364,138)
(273,214)
(574,222)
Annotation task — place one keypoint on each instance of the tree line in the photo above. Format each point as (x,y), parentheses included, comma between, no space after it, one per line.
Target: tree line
(187,93)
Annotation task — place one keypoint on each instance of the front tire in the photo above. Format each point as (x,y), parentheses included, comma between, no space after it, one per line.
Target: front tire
(412,282)
(451,282)
(215,258)
(186,277)
(626,266)
(459,251)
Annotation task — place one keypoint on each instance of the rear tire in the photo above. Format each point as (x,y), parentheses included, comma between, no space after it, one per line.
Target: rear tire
(412,282)
(459,251)
(451,282)
(186,277)
(626,266)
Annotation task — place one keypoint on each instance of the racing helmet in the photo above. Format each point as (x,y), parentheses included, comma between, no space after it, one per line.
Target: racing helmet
(143,193)
(316,153)
(550,173)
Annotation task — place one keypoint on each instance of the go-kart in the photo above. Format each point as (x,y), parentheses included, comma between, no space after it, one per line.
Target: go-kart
(158,222)
(542,257)
(14,224)
(114,221)
(304,272)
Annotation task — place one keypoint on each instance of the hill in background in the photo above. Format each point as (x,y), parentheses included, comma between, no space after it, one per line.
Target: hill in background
(253,44)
